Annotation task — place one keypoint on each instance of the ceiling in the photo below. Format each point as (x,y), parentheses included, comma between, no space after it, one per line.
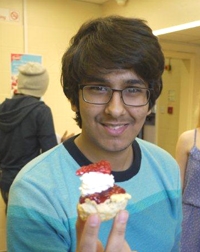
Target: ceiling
(93,1)
(119,2)
(189,36)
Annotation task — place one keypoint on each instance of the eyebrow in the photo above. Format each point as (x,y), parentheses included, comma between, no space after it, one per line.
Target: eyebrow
(135,81)
(103,80)
(96,79)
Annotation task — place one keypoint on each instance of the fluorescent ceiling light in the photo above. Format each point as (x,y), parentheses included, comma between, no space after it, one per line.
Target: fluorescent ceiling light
(177,28)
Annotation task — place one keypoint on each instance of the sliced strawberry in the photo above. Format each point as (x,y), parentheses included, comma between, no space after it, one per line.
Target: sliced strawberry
(101,166)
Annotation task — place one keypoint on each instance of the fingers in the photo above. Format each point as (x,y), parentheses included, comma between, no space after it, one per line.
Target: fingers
(87,234)
(116,241)
(70,135)
(66,136)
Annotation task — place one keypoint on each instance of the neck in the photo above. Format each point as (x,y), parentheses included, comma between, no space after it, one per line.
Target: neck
(119,160)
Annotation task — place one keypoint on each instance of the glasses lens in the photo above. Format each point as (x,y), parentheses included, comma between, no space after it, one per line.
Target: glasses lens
(96,94)
(135,96)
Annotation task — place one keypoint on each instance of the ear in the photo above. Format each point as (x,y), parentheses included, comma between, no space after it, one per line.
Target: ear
(149,112)
(74,108)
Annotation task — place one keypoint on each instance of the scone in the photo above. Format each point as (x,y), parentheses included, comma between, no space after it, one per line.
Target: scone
(99,194)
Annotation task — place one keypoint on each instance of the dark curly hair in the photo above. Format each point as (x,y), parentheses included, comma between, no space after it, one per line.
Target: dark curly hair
(108,43)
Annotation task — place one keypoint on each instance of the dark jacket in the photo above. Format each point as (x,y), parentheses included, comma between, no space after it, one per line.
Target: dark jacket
(26,130)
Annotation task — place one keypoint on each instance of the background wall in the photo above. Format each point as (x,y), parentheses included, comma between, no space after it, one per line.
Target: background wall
(184,77)
(168,106)
(44,30)
(45,27)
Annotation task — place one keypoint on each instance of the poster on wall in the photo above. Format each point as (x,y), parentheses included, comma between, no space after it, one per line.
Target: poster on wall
(18,60)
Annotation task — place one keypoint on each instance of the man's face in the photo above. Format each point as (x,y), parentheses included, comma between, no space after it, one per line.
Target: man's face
(112,127)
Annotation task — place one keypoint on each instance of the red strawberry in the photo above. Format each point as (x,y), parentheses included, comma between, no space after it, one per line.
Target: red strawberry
(101,166)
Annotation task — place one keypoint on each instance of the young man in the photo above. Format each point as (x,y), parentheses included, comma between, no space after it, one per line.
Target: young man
(26,124)
(111,74)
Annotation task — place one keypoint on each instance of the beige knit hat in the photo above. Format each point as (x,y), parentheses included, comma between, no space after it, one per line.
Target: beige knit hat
(33,79)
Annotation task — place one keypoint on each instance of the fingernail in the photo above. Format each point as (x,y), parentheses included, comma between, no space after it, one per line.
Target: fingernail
(122,216)
(94,220)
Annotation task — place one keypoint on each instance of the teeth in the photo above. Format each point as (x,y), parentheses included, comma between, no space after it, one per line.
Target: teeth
(115,126)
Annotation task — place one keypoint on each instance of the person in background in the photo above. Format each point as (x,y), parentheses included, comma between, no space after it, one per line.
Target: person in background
(111,74)
(188,158)
(26,124)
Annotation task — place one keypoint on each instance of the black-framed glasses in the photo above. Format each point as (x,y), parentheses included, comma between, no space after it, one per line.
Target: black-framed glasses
(131,96)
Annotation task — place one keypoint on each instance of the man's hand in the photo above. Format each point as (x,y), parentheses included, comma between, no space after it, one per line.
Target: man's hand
(87,234)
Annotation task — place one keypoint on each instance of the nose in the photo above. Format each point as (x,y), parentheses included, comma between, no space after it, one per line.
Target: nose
(115,107)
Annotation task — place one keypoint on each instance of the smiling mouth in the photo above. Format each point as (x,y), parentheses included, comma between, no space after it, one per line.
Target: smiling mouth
(115,128)
(114,123)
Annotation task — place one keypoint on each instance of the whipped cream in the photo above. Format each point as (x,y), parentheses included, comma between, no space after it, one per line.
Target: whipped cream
(93,182)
